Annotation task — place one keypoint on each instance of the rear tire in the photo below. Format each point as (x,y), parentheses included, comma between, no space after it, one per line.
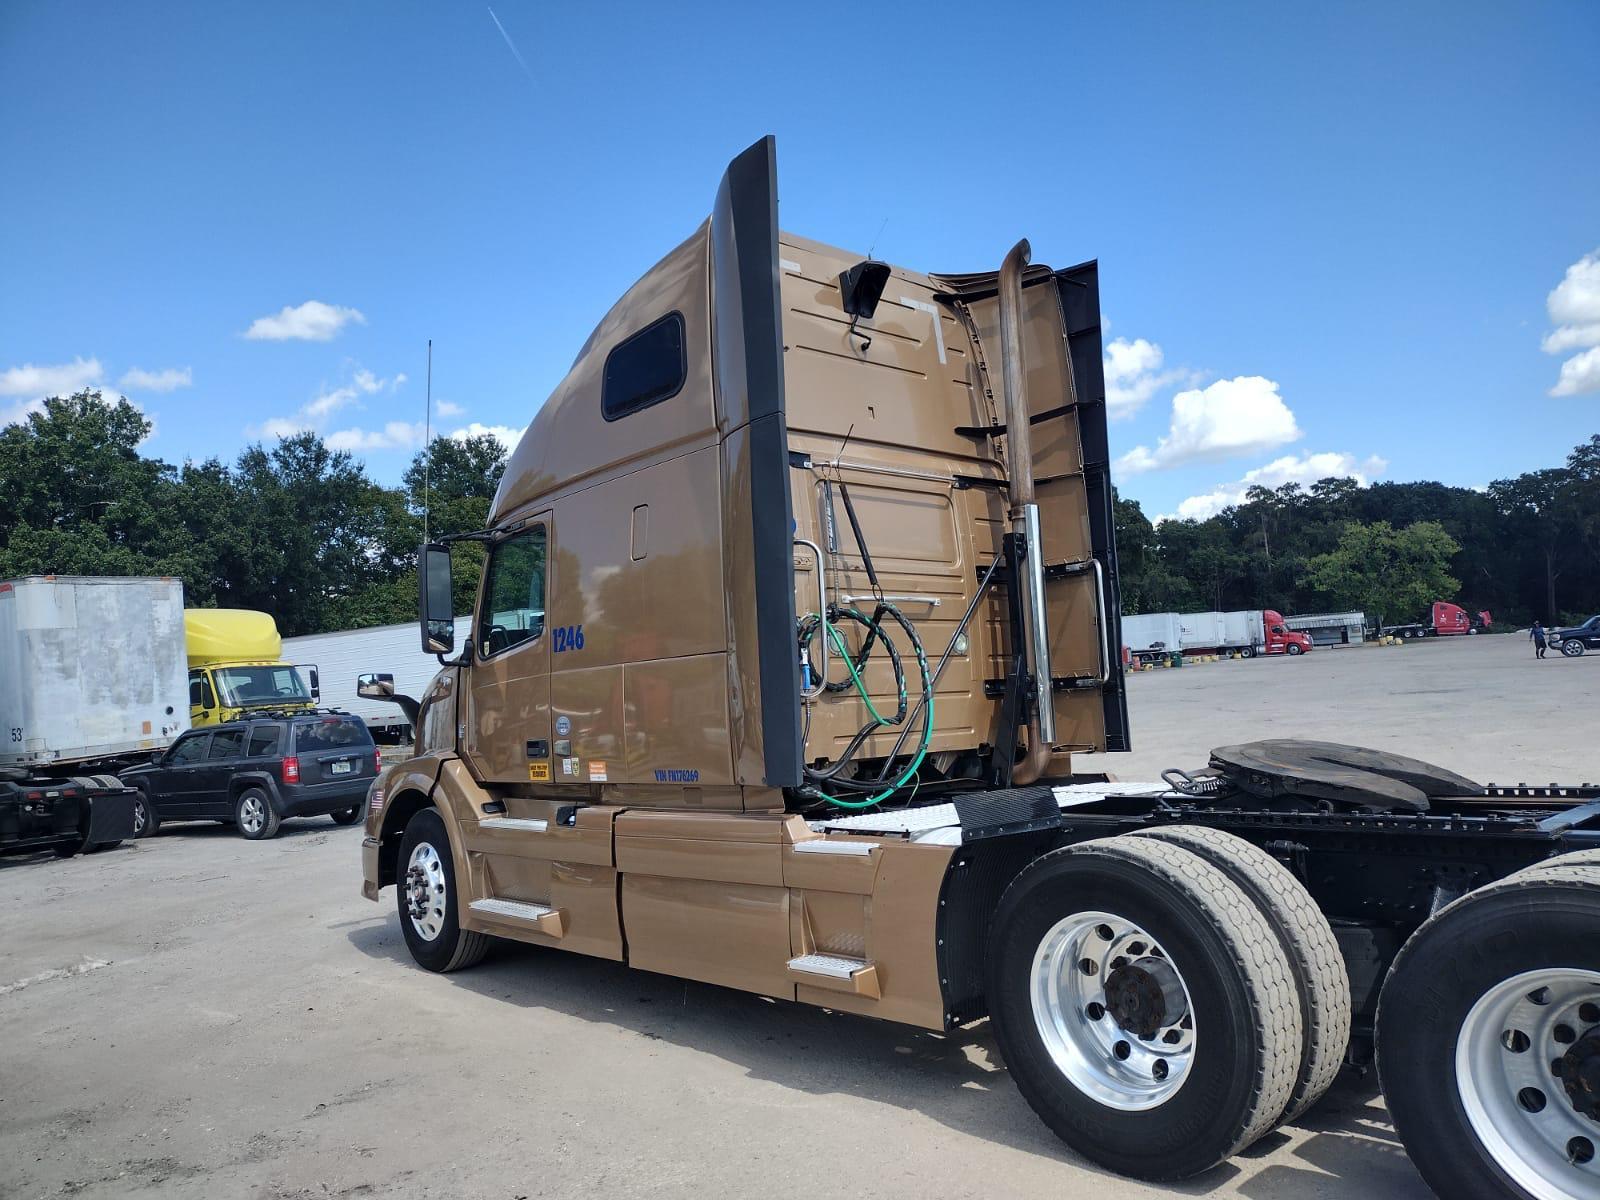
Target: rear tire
(254,815)
(1318,966)
(347,816)
(145,819)
(429,905)
(1088,1064)
(1488,1032)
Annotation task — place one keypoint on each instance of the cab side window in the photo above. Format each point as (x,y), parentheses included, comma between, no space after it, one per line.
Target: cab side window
(513,598)
(200,694)
(226,743)
(190,750)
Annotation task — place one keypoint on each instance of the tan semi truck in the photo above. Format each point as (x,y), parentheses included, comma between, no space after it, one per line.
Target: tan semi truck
(800,595)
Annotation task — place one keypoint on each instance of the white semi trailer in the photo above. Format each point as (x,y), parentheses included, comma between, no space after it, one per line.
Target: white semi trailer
(387,649)
(93,678)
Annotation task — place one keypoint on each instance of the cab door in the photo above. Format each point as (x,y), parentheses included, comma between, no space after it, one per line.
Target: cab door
(508,721)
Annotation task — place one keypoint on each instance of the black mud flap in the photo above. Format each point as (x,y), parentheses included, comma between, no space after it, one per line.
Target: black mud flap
(111,817)
(1288,768)
(1006,812)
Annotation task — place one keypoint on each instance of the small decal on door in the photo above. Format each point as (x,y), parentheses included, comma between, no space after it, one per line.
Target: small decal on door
(597,772)
(563,725)
(538,772)
(569,766)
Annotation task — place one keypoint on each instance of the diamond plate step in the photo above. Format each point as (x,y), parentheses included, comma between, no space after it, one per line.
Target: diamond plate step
(836,973)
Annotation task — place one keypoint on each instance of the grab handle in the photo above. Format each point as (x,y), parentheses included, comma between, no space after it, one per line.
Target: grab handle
(817,689)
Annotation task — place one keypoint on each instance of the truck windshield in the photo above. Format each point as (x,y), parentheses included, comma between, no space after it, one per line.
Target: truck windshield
(245,686)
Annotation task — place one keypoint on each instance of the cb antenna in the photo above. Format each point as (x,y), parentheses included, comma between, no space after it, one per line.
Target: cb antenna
(427,443)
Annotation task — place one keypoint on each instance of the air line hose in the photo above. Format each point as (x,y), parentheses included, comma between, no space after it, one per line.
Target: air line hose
(879,788)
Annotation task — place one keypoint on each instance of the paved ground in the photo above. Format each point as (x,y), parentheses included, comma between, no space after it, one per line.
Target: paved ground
(200,1016)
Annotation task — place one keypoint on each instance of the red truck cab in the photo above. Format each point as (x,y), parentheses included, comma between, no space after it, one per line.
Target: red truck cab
(1450,619)
(1279,638)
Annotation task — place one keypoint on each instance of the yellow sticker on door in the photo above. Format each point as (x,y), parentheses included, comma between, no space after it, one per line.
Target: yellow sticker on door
(539,772)
(597,772)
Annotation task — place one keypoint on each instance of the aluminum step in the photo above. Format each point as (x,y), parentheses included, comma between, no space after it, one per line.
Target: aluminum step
(540,918)
(517,824)
(827,845)
(836,973)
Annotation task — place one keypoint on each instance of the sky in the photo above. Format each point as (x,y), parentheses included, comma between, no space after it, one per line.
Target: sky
(1336,239)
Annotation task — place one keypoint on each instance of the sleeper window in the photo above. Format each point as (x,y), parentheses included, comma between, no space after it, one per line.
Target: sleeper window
(513,600)
(646,369)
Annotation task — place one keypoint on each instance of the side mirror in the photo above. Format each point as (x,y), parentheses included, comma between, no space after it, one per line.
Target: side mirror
(316,684)
(375,687)
(434,605)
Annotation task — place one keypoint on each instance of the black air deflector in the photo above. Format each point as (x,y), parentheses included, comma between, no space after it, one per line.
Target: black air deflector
(749,328)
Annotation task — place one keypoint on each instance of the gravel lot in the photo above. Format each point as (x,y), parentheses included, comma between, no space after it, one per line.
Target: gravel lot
(199,1016)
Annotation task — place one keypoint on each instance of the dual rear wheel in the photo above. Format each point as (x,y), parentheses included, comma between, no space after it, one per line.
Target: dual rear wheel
(1163,1000)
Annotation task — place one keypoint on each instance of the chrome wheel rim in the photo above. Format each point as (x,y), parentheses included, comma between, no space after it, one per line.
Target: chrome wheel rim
(425,891)
(252,814)
(1521,1056)
(1112,1010)
(140,818)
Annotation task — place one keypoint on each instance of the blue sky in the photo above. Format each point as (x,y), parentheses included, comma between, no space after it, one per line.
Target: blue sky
(1330,237)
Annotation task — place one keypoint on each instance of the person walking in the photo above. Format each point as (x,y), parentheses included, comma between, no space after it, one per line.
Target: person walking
(1537,634)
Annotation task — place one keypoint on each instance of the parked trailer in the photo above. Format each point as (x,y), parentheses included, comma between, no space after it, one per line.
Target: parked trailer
(1444,620)
(391,649)
(1150,637)
(92,680)
(1331,629)
(652,749)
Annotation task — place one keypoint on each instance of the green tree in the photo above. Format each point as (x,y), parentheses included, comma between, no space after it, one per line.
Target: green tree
(1391,574)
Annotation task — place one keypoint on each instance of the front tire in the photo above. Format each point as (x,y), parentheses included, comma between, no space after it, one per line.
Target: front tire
(428,902)
(1293,648)
(1489,1040)
(1144,1006)
(254,816)
(1572,648)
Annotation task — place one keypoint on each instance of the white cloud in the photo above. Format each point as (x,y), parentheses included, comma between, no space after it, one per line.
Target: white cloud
(312,321)
(1311,468)
(395,435)
(165,380)
(1579,374)
(504,434)
(1305,470)
(1230,417)
(61,379)
(1134,374)
(16,413)
(1574,307)
(449,408)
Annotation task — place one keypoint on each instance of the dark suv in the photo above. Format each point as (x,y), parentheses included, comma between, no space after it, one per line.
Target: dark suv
(254,773)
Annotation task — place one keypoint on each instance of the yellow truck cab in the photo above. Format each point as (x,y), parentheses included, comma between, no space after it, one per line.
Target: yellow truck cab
(236,666)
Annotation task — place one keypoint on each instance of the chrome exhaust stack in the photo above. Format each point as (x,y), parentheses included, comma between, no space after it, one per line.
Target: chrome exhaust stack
(1025,511)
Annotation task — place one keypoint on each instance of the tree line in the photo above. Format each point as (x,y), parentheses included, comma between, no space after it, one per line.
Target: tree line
(1523,548)
(295,529)
(302,531)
